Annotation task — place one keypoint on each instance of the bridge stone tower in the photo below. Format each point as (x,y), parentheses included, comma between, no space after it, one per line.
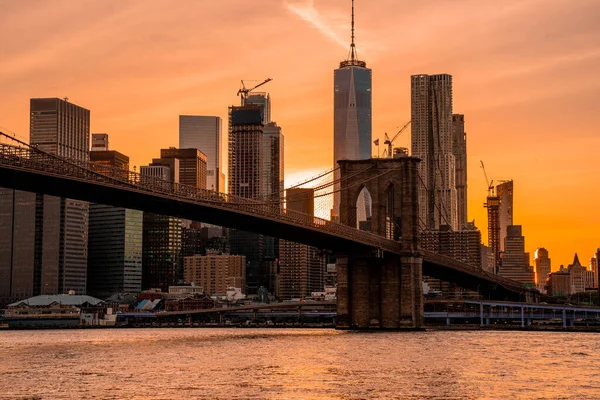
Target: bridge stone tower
(384,290)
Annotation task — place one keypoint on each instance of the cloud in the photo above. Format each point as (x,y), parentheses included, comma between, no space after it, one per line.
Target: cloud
(310,14)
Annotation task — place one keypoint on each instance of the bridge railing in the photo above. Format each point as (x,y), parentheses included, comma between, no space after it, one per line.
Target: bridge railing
(31,158)
(477,270)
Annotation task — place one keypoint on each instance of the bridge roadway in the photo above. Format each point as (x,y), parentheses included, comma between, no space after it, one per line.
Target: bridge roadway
(29,169)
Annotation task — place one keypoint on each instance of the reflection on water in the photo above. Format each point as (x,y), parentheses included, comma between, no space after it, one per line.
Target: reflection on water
(296,364)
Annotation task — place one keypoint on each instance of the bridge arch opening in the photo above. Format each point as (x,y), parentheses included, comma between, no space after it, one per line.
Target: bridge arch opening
(363,204)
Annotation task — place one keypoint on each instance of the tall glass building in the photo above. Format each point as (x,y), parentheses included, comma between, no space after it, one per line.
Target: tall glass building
(44,238)
(205,134)
(352,114)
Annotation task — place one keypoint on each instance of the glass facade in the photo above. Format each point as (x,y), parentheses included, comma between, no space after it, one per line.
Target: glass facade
(205,134)
(352,114)
(115,251)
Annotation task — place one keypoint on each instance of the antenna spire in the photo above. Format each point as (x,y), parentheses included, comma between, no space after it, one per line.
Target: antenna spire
(352,57)
(352,46)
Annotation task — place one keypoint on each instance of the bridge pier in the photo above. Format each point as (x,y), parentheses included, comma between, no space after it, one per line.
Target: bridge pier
(376,293)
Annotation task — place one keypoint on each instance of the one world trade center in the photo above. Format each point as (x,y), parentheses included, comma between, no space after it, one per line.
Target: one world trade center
(352,121)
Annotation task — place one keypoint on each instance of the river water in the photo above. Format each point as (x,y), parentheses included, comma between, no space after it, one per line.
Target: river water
(238,363)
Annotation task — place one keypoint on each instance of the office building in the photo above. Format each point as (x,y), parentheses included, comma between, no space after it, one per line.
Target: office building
(215,273)
(432,142)
(514,262)
(55,228)
(464,245)
(559,283)
(246,180)
(205,134)
(272,166)
(99,141)
(352,126)
(273,172)
(582,278)
(302,268)
(114,240)
(192,165)
(488,261)
(17,245)
(161,250)
(542,266)
(459,149)
(504,192)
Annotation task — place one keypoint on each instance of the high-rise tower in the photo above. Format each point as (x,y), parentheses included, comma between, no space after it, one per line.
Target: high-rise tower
(205,134)
(431,141)
(352,117)
(504,191)
(459,149)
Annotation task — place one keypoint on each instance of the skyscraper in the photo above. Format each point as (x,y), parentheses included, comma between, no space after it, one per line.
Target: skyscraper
(542,266)
(205,134)
(114,240)
(246,180)
(432,142)
(504,191)
(352,113)
(459,149)
(514,260)
(17,245)
(272,171)
(61,225)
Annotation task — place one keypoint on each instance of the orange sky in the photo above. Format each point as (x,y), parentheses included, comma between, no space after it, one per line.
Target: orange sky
(525,76)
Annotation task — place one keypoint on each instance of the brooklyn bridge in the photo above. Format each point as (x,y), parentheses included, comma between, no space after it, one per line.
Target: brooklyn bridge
(379,271)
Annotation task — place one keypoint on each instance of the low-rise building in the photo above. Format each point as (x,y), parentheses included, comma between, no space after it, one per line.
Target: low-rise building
(214,273)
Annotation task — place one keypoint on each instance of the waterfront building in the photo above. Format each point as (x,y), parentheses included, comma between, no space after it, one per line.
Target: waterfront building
(215,273)
(161,249)
(302,268)
(542,266)
(514,263)
(43,241)
(114,239)
(205,134)
(352,121)
(459,149)
(432,142)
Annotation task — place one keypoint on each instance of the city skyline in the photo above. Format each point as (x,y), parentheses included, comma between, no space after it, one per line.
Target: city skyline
(527,101)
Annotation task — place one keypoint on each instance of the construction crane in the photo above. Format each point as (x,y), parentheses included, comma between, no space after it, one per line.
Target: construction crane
(243,92)
(490,185)
(390,142)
